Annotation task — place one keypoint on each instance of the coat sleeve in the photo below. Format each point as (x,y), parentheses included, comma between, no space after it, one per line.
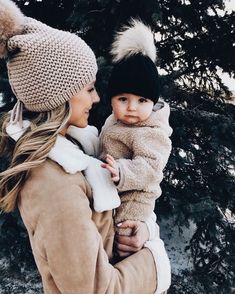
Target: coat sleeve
(77,260)
(144,172)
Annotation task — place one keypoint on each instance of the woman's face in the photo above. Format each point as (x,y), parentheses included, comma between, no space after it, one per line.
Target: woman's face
(81,104)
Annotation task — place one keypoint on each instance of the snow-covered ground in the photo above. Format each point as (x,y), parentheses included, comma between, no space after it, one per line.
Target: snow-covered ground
(19,280)
(176,240)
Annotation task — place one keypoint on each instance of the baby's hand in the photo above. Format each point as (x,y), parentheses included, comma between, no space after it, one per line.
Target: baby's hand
(112,166)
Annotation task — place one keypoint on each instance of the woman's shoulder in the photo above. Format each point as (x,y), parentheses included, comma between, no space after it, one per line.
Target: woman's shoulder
(51,171)
(49,178)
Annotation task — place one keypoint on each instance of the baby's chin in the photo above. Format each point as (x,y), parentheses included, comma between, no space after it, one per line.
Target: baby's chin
(130,120)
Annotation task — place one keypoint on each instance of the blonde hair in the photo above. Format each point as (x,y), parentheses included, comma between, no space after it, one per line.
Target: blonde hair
(29,151)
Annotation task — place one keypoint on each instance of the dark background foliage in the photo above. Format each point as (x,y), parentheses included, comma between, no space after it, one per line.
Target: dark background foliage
(195,41)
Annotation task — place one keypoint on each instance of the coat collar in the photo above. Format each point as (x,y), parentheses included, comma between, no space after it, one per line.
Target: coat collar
(68,155)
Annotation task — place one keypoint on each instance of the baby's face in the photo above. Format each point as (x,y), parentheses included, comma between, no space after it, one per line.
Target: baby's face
(131,109)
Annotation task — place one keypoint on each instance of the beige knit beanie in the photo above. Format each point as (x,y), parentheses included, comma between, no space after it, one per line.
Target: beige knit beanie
(46,66)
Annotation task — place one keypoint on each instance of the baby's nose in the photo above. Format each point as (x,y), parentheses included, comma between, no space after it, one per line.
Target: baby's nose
(132,106)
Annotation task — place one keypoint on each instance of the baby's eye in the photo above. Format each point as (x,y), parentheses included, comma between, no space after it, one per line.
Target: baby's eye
(123,99)
(142,100)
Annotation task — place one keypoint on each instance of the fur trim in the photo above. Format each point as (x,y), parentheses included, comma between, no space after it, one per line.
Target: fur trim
(153,227)
(68,155)
(11,23)
(162,263)
(72,159)
(88,137)
(133,39)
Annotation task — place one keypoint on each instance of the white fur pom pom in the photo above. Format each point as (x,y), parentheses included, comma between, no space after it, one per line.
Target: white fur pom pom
(11,23)
(133,39)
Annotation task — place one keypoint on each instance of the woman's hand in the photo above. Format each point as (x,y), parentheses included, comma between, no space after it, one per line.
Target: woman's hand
(112,166)
(127,245)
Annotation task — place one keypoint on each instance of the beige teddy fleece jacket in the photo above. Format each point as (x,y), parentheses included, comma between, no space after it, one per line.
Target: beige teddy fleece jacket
(71,243)
(142,151)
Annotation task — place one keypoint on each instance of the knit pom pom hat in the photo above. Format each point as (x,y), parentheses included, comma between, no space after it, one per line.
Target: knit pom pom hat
(134,56)
(46,66)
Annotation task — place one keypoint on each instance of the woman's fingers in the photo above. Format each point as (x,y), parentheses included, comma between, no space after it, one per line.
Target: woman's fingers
(126,245)
(129,224)
(139,236)
(133,242)
(126,248)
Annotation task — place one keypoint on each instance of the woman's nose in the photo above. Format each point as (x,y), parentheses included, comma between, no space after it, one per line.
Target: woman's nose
(95,97)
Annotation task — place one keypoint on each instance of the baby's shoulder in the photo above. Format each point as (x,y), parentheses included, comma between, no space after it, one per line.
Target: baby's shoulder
(145,133)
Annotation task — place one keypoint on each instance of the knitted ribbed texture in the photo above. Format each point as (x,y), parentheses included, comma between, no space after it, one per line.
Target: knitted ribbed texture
(50,67)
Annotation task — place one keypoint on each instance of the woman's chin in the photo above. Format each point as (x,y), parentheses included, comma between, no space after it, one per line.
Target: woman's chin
(81,124)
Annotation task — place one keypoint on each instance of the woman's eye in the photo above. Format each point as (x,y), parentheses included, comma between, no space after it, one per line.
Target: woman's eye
(91,90)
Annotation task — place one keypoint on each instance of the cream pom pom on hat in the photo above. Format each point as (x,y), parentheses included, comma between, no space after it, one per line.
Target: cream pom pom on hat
(46,66)
(134,55)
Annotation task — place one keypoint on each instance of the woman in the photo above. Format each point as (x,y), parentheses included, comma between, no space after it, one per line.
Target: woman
(52,74)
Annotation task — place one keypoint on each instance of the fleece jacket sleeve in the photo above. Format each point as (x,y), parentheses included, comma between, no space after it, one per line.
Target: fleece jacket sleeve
(144,171)
(77,260)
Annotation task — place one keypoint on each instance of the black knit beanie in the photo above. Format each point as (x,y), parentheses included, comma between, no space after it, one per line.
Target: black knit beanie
(134,70)
(136,75)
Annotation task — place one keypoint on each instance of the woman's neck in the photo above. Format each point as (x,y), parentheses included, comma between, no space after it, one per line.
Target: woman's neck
(63,131)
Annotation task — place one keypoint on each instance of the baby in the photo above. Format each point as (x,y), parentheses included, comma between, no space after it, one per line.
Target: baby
(134,141)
